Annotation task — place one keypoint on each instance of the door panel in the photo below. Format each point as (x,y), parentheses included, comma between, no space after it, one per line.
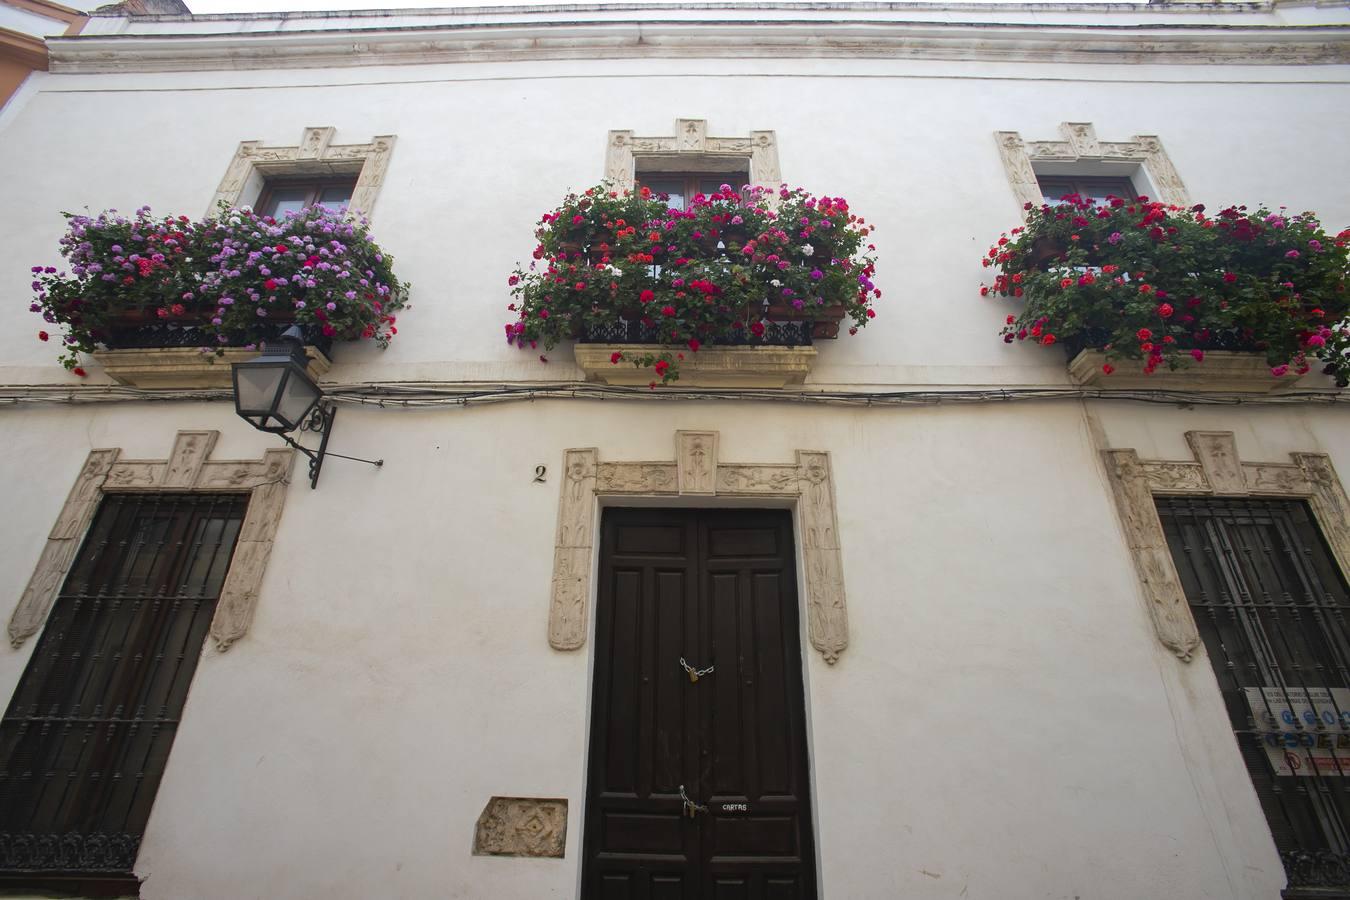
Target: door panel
(714,588)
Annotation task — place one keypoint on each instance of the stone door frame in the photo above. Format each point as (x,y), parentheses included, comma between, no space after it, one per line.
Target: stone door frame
(1217,471)
(696,471)
(189,469)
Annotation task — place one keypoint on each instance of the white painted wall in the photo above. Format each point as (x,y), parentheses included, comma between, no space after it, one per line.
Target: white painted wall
(1004,723)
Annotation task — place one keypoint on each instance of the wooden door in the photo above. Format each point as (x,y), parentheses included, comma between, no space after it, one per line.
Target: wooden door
(716,588)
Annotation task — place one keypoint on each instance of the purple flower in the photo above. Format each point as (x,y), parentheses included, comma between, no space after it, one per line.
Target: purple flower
(816,274)
(1115,238)
(1292,254)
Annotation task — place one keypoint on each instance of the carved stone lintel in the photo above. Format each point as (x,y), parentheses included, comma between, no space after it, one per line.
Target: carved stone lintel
(697,472)
(188,468)
(1216,451)
(314,150)
(1080,142)
(1174,477)
(696,462)
(522,826)
(767,479)
(1152,560)
(637,478)
(1277,479)
(691,137)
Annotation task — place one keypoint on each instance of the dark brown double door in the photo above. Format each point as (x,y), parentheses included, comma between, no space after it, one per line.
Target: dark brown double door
(714,588)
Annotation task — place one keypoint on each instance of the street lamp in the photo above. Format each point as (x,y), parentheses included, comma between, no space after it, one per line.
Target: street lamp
(274,393)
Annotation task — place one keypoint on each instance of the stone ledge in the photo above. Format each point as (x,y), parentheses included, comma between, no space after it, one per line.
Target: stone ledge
(747,367)
(1222,370)
(185,367)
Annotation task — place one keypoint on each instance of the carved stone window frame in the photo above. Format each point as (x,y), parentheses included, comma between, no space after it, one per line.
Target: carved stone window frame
(689,146)
(1217,471)
(315,155)
(807,484)
(1081,147)
(188,468)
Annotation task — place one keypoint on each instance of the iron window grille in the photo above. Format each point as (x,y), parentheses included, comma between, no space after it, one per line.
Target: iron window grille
(1271,604)
(86,737)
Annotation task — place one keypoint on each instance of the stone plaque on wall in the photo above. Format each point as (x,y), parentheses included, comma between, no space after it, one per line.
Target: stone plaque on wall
(521,826)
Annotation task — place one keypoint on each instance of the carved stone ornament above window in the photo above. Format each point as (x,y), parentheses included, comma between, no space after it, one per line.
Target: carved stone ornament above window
(189,468)
(698,472)
(1217,471)
(1080,145)
(315,156)
(690,148)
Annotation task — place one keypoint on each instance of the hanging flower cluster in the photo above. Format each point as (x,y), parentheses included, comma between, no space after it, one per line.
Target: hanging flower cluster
(1162,284)
(229,277)
(716,272)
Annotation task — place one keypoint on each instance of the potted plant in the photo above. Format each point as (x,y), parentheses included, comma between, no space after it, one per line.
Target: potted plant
(721,271)
(228,281)
(1169,286)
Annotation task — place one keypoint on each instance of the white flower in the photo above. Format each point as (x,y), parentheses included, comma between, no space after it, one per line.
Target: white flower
(776,283)
(613,270)
(807,250)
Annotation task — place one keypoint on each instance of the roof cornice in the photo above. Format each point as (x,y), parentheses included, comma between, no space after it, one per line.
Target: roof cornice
(1133,44)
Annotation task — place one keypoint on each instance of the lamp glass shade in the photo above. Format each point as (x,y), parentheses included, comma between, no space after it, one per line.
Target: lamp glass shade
(274,393)
(297,396)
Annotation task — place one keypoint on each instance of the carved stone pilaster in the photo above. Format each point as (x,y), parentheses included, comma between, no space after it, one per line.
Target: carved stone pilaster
(759,150)
(1017,164)
(697,472)
(696,462)
(572,550)
(1152,559)
(1217,471)
(1329,504)
(314,155)
(826,612)
(188,468)
(62,542)
(1079,142)
(521,826)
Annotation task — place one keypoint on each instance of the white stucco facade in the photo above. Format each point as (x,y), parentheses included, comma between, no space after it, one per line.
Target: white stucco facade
(1004,723)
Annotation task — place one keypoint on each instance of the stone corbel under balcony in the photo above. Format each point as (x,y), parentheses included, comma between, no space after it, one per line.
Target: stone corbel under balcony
(185,368)
(720,367)
(1222,370)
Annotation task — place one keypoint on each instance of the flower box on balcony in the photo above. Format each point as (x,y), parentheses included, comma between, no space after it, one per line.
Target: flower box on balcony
(1224,371)
(716,278)
(719,367)
(1170,297)
(170,303)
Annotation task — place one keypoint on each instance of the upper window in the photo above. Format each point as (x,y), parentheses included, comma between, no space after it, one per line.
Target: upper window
(284,195)
(1056,187)
(682,186)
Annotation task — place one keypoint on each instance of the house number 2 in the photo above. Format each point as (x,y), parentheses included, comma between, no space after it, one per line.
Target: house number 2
(539,473)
